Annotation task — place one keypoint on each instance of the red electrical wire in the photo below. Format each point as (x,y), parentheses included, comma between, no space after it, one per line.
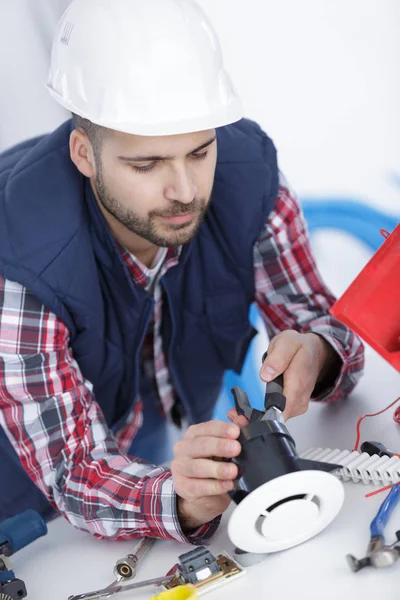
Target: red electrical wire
(387,487)
(396,417)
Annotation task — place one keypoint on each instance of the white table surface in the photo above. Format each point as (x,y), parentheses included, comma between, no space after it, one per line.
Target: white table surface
(68,561)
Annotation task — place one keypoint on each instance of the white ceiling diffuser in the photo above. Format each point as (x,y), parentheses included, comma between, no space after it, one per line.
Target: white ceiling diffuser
(286,511)
(282,499)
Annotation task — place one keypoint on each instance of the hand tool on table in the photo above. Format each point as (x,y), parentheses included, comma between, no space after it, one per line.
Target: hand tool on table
(125,568)
(379,555)
(16,533)
(199,568)
(117,587)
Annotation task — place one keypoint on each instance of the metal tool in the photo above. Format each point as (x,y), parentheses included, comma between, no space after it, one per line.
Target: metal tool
(125,568)
(199,568)
(117,587)
(16,533)
(378,554)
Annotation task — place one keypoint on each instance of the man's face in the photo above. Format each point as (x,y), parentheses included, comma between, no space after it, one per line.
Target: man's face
(157,187)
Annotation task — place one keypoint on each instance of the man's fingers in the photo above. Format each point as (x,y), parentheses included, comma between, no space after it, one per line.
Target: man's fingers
(237,419)
(192,489)
(300,380)
(203,468)
(217,429)
(206,447)
(281,351)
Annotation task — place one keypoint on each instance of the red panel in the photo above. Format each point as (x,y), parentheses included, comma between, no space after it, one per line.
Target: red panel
(371,305)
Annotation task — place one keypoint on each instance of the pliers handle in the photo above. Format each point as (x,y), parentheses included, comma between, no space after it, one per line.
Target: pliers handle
(382,517)
(378,554)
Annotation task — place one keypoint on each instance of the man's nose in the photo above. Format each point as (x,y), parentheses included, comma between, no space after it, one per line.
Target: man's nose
(181,187)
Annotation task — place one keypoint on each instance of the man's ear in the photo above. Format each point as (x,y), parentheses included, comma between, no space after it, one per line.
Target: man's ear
(81,153)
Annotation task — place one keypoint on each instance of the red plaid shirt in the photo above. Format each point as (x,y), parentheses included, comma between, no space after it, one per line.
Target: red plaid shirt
(50,414)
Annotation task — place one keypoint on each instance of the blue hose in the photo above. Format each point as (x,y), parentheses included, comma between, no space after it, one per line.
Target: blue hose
(355,218)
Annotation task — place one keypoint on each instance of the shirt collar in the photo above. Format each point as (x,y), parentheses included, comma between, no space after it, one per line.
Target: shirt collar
(140,273)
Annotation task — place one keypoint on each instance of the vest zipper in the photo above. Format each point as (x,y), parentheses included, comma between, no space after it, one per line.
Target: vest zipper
(150,307)
(171,365)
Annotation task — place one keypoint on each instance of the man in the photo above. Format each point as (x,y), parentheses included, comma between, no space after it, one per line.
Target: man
(132,244)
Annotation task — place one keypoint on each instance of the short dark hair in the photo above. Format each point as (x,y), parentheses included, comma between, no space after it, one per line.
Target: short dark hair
(95,133)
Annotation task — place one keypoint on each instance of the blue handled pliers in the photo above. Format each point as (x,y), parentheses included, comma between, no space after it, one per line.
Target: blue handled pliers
(378,554)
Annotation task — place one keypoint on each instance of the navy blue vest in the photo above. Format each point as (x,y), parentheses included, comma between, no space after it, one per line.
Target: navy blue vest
(55,241)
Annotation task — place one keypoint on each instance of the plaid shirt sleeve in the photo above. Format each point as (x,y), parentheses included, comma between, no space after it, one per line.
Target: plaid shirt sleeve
(291,294)
(50,415)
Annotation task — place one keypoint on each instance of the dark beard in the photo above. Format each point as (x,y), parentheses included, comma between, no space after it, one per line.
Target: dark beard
(147,228)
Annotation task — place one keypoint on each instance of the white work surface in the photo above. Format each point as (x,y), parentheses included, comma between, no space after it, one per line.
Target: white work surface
(68,561)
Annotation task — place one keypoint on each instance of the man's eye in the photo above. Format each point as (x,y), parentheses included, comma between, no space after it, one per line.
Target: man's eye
(200,156)
(144,169)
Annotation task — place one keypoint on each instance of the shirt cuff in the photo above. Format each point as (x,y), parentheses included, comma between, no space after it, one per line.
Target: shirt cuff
(158,506)
(350,371)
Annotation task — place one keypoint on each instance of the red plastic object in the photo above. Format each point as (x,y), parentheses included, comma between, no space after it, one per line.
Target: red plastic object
(371,305)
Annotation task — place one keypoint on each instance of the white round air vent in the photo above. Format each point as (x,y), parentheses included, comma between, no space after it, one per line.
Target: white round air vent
(286,511)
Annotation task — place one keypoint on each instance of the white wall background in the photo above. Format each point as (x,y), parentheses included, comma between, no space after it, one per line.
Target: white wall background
(321,76)
(26,33)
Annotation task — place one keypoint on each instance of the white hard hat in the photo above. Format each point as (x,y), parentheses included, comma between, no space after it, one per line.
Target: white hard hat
(146,67)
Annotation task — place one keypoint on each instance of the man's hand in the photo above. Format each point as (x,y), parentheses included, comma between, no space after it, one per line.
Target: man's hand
(201,480)
(304,359)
